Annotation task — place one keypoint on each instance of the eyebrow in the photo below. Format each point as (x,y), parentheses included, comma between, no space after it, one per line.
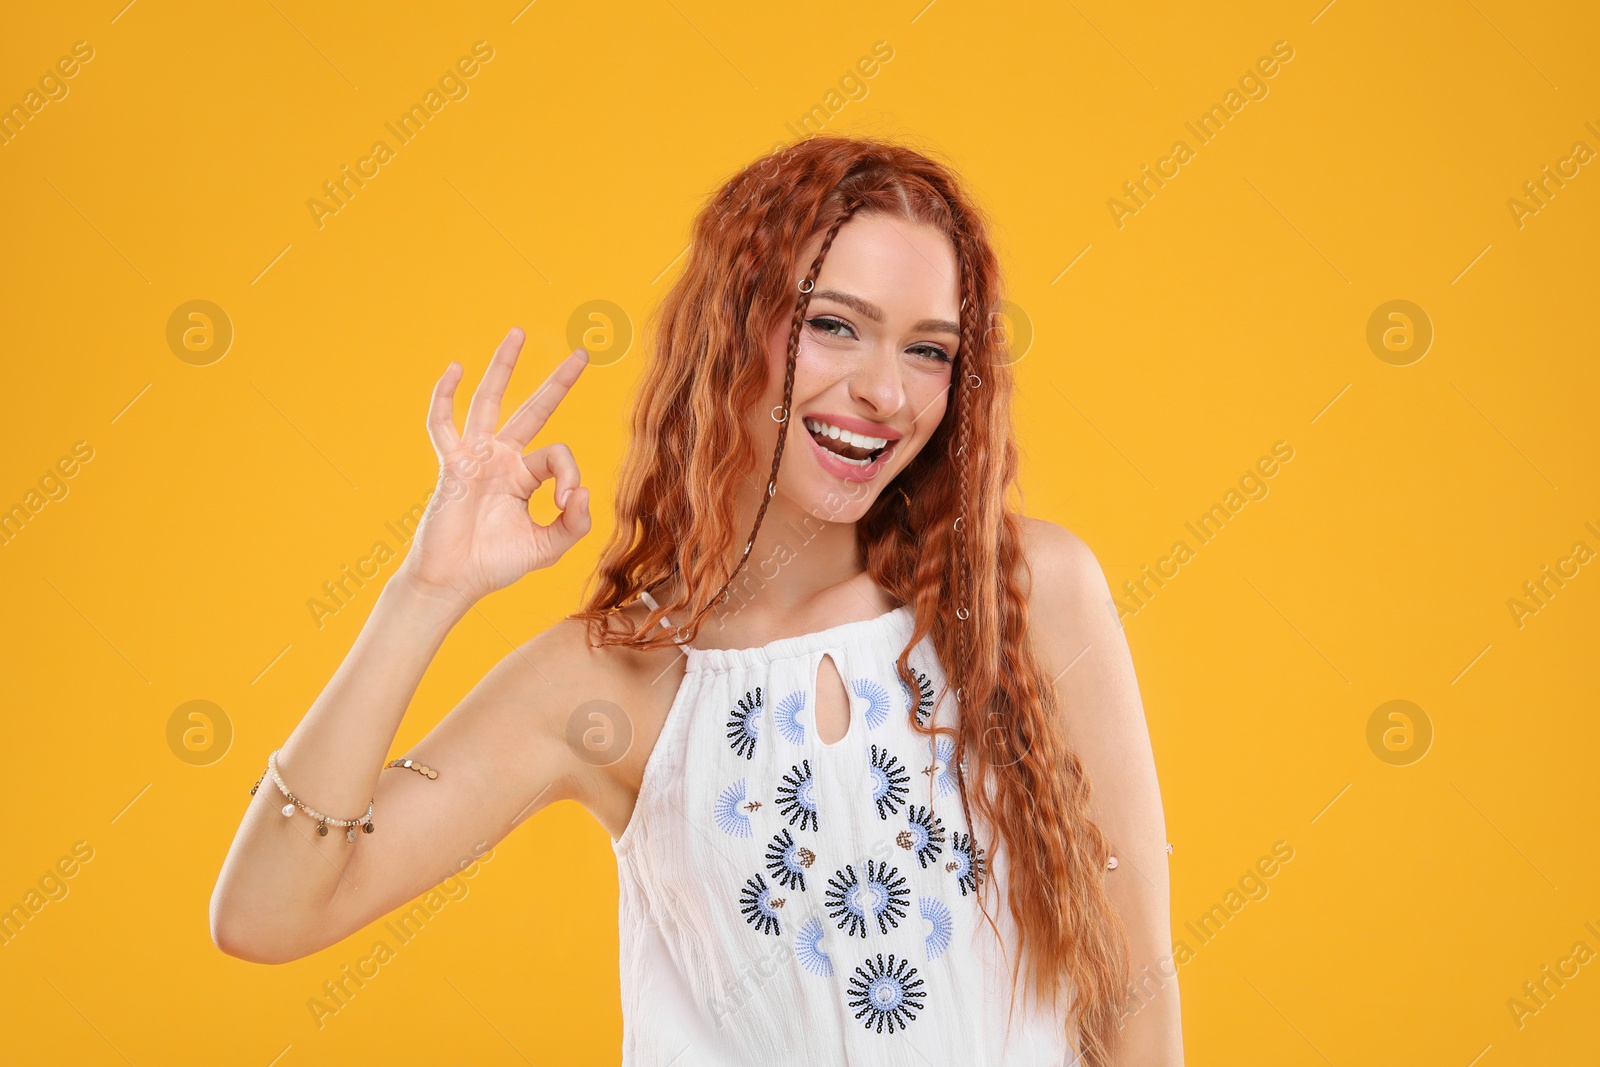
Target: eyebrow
(875,313)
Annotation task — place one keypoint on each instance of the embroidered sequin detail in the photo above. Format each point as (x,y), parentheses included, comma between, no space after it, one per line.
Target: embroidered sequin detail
(886,995)
(877,698)
(942,750)
(808,948)
(924,695)
(786,713)
(758,906)
(853,902)
(924,835)
(941,927)
(726,810)
(966,863)
(788,861)
(889,782)
(797,796)
(744,723)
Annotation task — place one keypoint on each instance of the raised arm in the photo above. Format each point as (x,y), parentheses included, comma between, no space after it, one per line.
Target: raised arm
(285,892)
(1080,642)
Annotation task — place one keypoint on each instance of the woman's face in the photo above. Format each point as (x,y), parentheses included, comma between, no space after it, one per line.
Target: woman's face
(876,349)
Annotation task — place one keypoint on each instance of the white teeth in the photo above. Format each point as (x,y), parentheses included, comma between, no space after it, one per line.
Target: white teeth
(856,439)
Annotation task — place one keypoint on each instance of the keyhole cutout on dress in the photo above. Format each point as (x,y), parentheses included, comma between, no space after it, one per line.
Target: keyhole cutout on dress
(833,703)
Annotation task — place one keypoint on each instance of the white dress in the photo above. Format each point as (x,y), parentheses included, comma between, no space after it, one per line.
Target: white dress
(786,901)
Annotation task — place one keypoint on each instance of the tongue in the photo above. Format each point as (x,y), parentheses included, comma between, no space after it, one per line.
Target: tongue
(840,448)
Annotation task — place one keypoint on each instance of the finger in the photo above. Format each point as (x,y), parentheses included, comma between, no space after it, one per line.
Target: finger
(554,461)
(483,414)
(535,411)
(441,411)
(573,522)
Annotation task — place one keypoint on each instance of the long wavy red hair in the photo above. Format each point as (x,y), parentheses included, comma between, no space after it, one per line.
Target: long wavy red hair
(949,546)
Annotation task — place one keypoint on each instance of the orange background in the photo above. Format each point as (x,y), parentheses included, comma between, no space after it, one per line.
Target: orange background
(1168,355)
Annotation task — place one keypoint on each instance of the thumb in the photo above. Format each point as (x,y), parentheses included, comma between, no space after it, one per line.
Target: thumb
(574,520)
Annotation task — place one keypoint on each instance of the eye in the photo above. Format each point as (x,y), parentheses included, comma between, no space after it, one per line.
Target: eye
(835,327)
(827,323)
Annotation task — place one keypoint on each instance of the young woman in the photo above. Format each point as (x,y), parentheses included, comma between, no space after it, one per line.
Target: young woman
(836,701)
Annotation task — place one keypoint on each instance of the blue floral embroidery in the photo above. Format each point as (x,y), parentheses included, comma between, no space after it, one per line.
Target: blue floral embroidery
(727,813)
(886,994)
(889,781)
(943,750)
(924,836)
(786,713)
(808,948)
(966,862)
(924,695)
(744,724)
(877,698)
(882,896)
(788,861)
(941,928)
(760,910)
(797,796)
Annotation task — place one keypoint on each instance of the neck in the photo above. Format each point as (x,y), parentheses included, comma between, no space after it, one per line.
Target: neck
(800,564)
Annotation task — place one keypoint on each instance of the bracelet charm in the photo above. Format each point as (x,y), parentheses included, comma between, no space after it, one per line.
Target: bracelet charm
(323,821)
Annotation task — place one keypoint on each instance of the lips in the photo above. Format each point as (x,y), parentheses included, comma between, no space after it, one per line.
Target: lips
(843,469)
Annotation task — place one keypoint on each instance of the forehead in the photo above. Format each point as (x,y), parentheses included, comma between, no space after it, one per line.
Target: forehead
(894,262)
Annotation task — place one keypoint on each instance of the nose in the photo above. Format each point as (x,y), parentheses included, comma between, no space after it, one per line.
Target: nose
(879,382)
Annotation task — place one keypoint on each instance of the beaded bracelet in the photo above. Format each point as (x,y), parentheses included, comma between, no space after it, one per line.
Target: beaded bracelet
(323,821)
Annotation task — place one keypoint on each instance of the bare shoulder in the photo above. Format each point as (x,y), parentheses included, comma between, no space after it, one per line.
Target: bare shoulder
(1056,550)
(1069,600)
(1075,633)
(602,705)
(559,718)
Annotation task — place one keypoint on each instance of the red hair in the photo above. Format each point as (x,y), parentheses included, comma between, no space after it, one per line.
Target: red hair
(949,546)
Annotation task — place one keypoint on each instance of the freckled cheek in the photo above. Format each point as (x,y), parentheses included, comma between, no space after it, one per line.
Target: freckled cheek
(816,367)
(930,405)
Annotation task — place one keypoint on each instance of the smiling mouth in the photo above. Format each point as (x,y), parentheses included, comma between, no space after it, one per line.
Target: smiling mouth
(844,445)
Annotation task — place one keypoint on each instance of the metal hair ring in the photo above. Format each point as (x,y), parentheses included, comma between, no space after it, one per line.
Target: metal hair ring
(962,614)
(772,487)
(779,418)
(807,285)
(959,524)
(973,381)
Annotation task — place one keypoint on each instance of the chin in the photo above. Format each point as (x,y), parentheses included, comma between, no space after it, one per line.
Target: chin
(837,501)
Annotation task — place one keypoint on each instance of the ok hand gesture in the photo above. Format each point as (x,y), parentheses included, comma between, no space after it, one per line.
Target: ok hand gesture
(476,535)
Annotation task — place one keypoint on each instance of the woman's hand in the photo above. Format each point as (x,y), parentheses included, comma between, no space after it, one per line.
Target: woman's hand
(476,535)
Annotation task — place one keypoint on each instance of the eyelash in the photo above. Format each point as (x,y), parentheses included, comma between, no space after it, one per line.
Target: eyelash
(938,353)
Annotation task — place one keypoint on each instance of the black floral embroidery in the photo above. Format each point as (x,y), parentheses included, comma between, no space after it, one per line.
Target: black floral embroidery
(788,861)
(759,907)
(889,782)
(797,796)
(886,995)
(744,724)
(923,697)
(924,836)
(966,862)
(852,903)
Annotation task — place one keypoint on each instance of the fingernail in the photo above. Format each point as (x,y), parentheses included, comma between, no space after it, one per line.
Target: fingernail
(566,494)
